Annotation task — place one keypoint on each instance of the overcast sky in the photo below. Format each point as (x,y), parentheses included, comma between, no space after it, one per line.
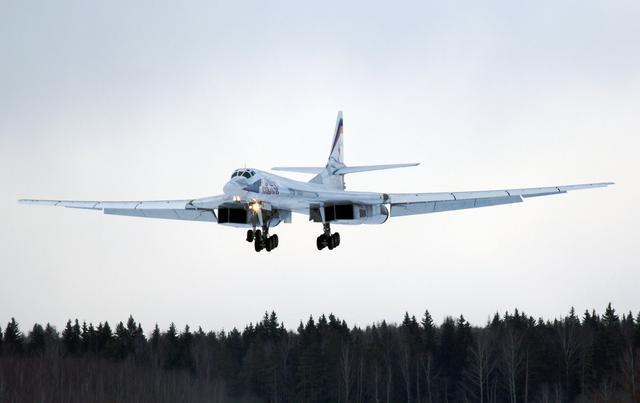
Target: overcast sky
(161,100)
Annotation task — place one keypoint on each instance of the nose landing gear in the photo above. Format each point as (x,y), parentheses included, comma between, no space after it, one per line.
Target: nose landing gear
(327,239)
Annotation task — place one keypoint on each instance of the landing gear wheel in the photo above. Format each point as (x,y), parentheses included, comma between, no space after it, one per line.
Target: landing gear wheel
(331,242)
(257,240)
(321,242)
(250,236)
(269,244)
(275,241)
(336,239)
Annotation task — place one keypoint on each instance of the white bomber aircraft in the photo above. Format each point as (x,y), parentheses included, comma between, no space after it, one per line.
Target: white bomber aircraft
(259,200)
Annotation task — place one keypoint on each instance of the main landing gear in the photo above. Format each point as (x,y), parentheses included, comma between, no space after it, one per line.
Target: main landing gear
(262,240)
(327,239)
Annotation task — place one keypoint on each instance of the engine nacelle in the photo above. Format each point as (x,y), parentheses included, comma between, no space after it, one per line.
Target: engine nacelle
(351,214)
(238,215)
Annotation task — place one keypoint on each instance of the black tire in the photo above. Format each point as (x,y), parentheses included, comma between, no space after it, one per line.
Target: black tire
(336,240)
(258,234)
(331,242)
(257,244)
(320,242)
(250,236)
(275,241)
(269,244)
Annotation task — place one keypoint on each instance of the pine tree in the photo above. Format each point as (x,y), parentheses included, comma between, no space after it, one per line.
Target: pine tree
(51,339)
(463,342)
(36,339)
(131,326)
(155,339)
(13,338)
(446,355)
(273,325)
(122,341)
(92,342)
(84,338)
(610,319)
(186,349)
(71,338)
(104,339)
(428,332)
(636,337)
(172,349)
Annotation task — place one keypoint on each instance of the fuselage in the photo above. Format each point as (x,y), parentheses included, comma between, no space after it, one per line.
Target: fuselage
(248,184)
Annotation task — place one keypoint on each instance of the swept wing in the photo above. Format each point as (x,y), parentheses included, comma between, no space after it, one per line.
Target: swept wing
(403,204)
(190,209)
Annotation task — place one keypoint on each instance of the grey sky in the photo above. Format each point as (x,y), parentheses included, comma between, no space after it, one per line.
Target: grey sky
(163,100)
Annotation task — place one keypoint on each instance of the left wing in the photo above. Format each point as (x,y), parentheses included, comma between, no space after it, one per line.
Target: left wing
(192,210)
(422,203)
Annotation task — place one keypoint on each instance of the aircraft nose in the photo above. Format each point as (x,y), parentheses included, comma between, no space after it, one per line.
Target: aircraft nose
(234,187)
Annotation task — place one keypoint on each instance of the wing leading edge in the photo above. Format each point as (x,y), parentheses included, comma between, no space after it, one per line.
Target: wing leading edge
(191,210)
(403,204)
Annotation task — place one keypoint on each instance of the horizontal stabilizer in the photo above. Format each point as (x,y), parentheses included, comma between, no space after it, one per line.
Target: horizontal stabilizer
(302,170)
(365,168)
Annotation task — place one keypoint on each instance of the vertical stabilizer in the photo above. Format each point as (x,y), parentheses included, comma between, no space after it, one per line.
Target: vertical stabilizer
(337,150)
(335,161)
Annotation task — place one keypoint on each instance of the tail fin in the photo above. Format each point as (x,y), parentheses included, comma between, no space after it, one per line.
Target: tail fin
(332,175)
(336,157)
(336,160)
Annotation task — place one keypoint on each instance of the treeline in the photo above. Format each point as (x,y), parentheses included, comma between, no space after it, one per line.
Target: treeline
(514,358)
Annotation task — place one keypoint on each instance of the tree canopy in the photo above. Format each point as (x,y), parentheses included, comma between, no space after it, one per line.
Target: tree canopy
(513,358)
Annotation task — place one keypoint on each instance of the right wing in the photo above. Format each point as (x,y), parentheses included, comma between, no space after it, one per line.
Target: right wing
(422,203)
(366,168)
(345,170)
(302,170)
(192,210)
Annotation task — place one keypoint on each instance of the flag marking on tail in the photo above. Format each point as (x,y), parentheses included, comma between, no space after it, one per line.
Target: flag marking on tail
(338,134)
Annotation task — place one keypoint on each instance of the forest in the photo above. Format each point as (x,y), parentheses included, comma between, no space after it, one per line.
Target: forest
(588,357)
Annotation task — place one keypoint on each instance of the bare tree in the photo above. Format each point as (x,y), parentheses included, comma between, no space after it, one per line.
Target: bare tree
(480,366)
(567,332)
(512,358)
(405,366)
(629,368)
(427,367)
(376,382)
(345,368)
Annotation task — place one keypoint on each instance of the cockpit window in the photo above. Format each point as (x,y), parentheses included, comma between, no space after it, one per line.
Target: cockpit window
(243,172)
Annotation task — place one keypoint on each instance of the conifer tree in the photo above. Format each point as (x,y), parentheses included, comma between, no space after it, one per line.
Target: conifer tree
(637,332)
(186,349)
(105,339)
(131,327)
(610,319)
(13,338)
(155,338)
(36,339)
(428,332)
(51,340)
(172,348)
(122,341)
(71,338)
(84,337)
